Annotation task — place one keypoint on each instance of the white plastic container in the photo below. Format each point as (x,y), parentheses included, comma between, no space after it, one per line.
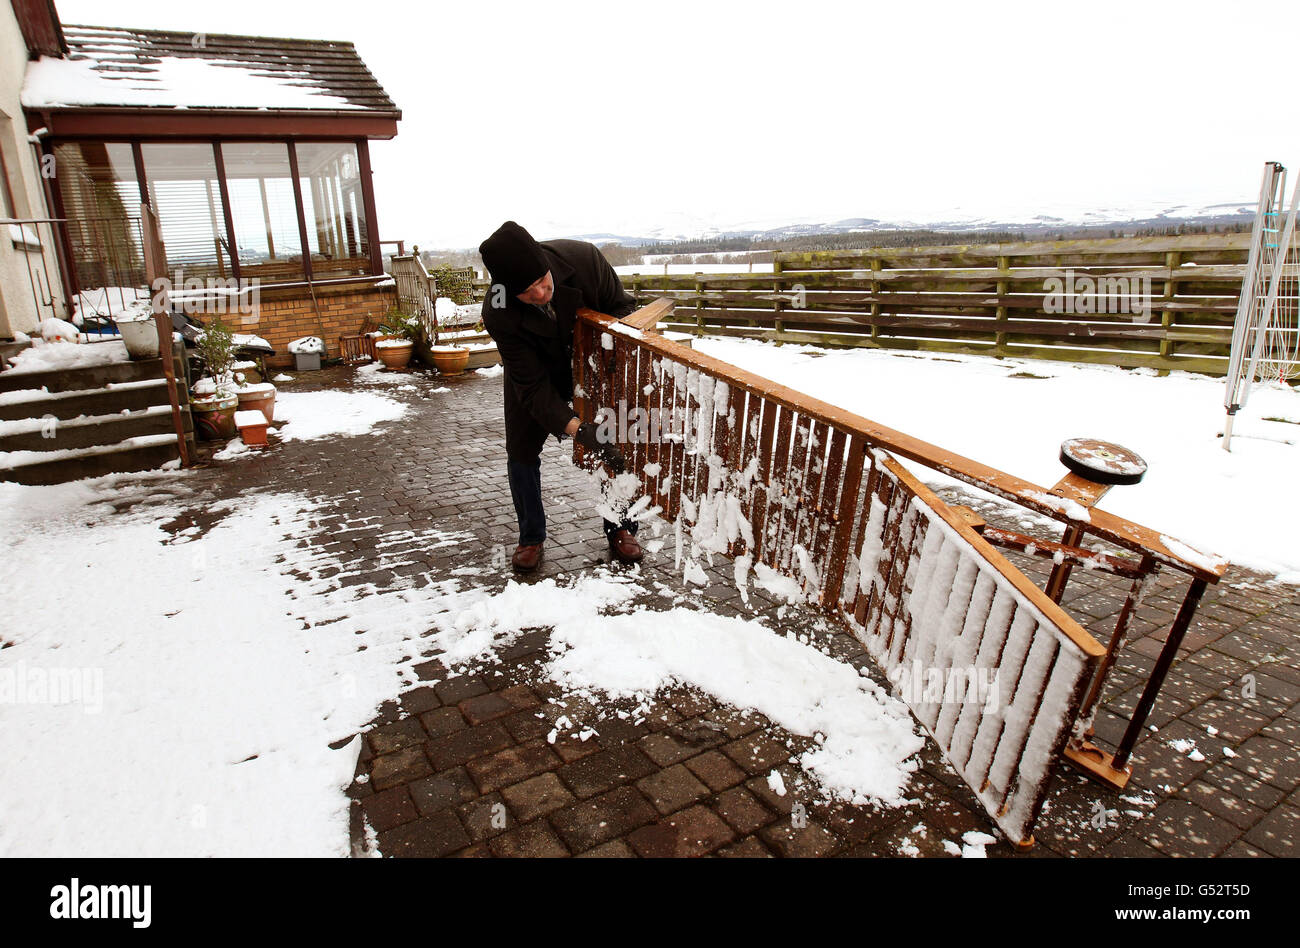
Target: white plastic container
(139,333)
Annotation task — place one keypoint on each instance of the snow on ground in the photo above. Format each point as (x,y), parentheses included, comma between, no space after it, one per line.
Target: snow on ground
(602,643)
(310,415)
(213,680)
(1234,504)
(176,690)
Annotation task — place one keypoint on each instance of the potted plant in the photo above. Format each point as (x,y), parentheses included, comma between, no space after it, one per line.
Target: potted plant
(447,359)
(214,408)
(397,344)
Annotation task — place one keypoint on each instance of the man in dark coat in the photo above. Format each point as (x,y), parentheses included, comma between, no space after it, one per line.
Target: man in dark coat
(529,311)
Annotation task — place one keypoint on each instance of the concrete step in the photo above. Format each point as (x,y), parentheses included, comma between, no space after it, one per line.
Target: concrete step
(56,467)
(113,398)
(87,377)
(50,434)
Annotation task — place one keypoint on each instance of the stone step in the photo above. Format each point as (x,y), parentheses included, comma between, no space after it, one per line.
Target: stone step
(42,434)
(86,377)
(111,399)
(56,467)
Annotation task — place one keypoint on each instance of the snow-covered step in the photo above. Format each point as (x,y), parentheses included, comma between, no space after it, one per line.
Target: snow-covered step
(113,397)
(52,434)
(81,377)
(55,467)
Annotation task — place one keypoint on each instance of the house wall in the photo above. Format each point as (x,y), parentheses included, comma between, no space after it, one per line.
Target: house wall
(18,309)
(282,315)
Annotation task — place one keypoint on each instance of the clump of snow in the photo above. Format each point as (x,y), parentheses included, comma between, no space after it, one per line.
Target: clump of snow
(53,329)
(973,843)
(282,378)
(43,356)
(307,345)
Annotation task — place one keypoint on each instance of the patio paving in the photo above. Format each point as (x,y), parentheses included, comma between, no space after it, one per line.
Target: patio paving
(460,764)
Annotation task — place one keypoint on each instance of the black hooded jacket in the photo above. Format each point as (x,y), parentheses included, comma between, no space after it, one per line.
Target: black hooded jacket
(537,352)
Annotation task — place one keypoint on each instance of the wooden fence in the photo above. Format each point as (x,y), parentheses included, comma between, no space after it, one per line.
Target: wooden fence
(1158,302)
(745,467)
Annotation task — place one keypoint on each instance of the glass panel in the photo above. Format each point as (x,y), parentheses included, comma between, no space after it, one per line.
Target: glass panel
(335,208)
(101,201)
(263,210)
(184,191)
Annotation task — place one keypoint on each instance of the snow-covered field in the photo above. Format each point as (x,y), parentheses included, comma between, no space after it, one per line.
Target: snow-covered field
(1239,505)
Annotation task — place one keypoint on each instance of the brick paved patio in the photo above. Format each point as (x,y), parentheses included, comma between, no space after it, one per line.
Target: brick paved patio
(461,764)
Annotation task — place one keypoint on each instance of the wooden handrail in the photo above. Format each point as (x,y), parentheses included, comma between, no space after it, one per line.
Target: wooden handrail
(1108,526)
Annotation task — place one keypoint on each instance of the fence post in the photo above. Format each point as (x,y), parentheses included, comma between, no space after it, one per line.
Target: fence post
(875,292)
(1173,260)
(1000,340)
(777,305)
(699,303)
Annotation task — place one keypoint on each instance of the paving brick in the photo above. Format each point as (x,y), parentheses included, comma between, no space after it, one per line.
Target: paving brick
(589,823)
(741,811)
(1278,833)
(530,841)
(537,796)
(441,721)
(1181,828)
(484,708)
(389,808)
(512,765)
(485,817)
(614,849)
(460,747)
(397,736)
(693,832)
(448,789)
(757,752)
(751,847)
(600,772)
(400,767)
(671,789)
(665,749)
(455,690)
(716,770)
(810,840)
(428,837)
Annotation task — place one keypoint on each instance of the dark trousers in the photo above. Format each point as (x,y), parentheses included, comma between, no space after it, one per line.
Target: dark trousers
(526,490)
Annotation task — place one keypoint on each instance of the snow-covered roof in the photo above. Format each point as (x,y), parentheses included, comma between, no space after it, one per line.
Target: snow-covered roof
(134,68)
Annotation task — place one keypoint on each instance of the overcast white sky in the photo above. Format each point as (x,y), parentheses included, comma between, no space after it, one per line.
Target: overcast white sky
(673,117)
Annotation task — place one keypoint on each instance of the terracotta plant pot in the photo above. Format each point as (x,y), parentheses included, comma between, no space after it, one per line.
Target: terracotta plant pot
(260,396)
(214,417)
(450,360)
(395,353)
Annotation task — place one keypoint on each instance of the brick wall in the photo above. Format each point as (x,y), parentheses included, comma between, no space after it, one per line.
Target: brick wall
(283,315)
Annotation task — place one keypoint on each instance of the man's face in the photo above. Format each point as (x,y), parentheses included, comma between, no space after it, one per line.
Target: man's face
(539,291)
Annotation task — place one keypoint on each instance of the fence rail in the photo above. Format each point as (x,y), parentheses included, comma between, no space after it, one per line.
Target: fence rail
(1158,302)
(745,467)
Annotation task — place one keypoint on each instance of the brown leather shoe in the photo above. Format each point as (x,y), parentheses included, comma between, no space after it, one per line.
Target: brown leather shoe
(527,557)
(623,546)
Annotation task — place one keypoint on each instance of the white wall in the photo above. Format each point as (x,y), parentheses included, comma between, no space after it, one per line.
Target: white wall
(18,309)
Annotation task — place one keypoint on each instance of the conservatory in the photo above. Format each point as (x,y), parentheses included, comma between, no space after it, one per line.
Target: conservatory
(251,152)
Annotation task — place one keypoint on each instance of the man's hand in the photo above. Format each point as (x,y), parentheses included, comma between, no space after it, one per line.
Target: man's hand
(588,435)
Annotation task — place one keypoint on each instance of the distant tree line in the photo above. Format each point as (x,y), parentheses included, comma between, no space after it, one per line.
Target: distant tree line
(741,250)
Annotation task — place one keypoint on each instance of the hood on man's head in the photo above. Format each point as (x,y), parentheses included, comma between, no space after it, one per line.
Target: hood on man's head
(513,258)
